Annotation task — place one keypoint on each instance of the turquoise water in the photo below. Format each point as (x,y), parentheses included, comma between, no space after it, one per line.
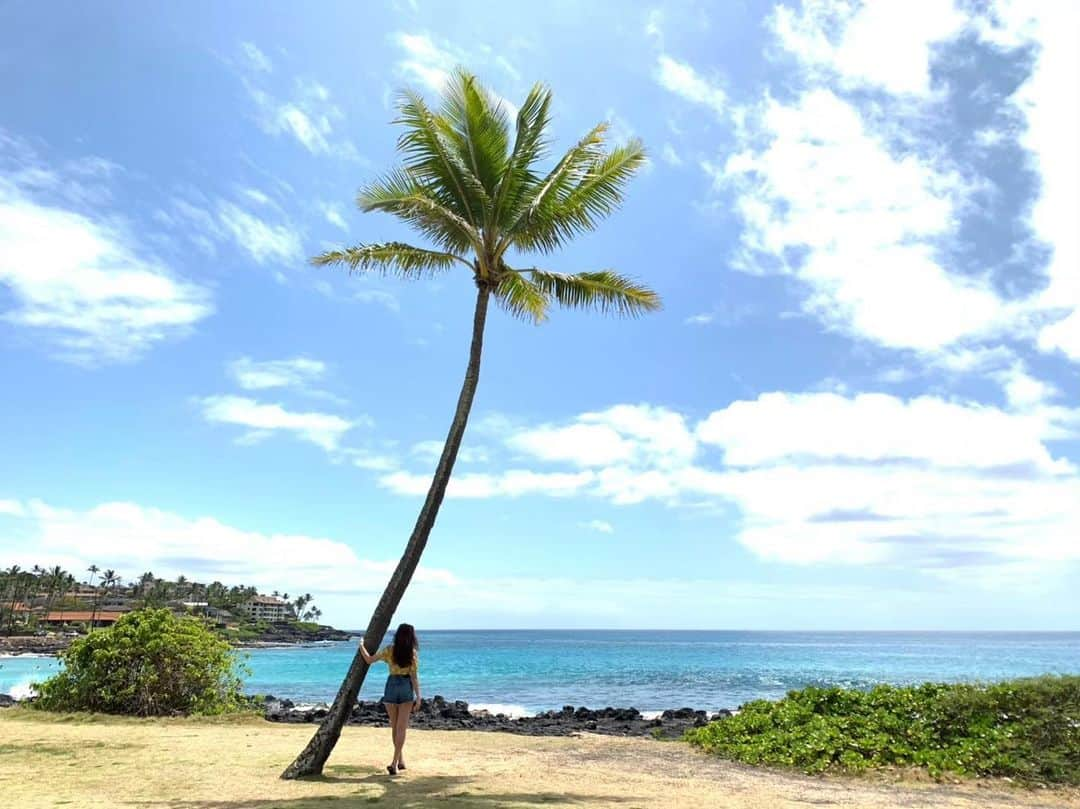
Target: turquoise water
(529,671)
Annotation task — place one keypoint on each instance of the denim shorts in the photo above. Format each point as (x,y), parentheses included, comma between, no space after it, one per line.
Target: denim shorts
(398,689)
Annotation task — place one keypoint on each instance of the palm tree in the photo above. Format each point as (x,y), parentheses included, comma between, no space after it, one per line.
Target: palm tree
(107,578)
(13,576)
(478,193)
(54,581)
(66,585)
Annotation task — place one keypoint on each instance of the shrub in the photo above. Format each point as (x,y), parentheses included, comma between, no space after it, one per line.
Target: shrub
(1024,729)
(149,663)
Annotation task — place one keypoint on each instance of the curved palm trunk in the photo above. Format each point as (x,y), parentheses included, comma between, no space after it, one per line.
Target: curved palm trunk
(314,756)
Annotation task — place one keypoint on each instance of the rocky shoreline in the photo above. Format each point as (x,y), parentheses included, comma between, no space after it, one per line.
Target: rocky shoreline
(440,714)
(34,644)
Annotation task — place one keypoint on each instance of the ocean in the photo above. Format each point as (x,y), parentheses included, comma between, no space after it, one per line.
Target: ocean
(525,671)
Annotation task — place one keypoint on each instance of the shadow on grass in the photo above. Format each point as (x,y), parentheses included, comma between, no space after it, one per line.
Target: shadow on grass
(404,792)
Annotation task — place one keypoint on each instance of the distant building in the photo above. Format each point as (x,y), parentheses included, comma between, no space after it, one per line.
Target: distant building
(57,617)
(267,608)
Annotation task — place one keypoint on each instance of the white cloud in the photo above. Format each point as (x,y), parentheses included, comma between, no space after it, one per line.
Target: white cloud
(425,62)
(377,296)
(600,526)
(923,483)
(1049,104)
(512,483)
(292,119)
(701,319)
(783,428)
(431,450)
(12,508)
(86,285)
(654,24)
(256,59)
(257,196)
(430,64)
(670,156)
(881,43)
(624,434)
(296,372)
(1022,390)
(132,538)
(322,429)
(308,116)
(373,461)
(333,215)
(681,79)
(826,200)
(263,242)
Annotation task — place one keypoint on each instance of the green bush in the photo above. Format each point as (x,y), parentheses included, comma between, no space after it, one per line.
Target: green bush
(1028,730)
(149,663)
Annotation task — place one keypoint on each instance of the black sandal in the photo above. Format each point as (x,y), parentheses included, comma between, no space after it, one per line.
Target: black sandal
(390,768)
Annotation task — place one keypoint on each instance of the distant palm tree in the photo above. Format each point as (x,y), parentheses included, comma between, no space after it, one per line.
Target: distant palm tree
(12,578)
(145,581)
(66,586)
(478,193)
(55,579)
(106,579)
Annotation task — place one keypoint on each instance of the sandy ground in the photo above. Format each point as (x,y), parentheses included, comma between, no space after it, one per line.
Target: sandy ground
(234,764)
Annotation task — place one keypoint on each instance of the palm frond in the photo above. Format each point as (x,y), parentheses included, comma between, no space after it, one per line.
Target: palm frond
(477,125)
(581,207)
(391,258)
(530,146)
(605,291)
(432,159)
(423,207)
(546,192)
(521,298)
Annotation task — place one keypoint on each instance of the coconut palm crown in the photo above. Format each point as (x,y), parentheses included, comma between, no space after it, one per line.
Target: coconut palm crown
(476,191)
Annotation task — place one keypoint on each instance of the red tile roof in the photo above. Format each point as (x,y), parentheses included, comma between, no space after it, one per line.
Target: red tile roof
(76,616)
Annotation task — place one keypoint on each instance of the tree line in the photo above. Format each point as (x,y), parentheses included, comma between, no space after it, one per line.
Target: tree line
(26,594)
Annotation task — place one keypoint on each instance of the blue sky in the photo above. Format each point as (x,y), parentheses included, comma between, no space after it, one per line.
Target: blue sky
(859,408)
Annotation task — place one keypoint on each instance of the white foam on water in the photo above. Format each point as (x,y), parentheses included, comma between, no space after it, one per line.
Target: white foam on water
(22,690)
(22,655)
(513,711)
(650,715)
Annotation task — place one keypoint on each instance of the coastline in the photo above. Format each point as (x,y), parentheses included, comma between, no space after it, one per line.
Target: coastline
(439,713)
(53,645)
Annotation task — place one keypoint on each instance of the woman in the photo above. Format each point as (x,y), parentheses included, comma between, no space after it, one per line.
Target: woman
(402,692)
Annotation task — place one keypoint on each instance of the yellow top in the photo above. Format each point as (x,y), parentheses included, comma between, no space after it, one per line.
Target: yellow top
(386,654)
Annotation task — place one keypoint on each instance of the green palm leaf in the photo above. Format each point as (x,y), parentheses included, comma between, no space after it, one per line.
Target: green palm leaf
(605,291)
(391,258)
(530,146)
(400,194)
(521,298)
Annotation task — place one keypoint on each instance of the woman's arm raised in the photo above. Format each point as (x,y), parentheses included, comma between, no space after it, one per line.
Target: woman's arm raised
(364,653)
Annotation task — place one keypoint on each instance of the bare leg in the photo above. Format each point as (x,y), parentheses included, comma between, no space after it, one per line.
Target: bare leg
(402,724)
(393,712)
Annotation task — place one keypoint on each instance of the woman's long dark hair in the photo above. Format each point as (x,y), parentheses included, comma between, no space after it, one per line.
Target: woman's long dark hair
(405,646)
